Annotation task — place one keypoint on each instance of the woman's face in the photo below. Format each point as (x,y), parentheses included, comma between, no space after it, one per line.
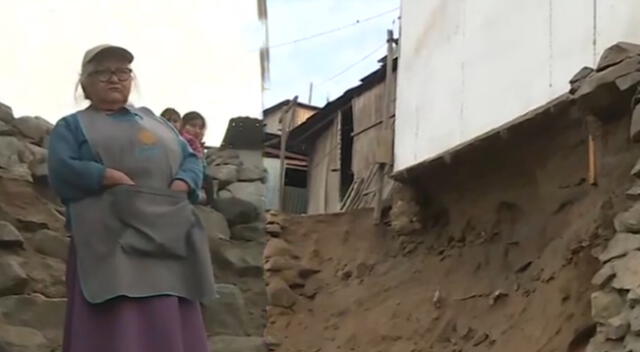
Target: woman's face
(108,84)
(195,128)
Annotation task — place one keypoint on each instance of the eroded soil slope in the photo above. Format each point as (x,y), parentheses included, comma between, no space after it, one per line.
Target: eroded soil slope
(502,260)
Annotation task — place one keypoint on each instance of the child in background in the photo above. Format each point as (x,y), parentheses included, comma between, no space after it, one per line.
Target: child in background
(192,129)
(173,116)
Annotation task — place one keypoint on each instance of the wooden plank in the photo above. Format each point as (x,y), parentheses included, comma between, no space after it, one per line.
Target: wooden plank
(347,197)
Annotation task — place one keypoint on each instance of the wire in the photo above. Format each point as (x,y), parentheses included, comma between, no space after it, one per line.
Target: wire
(330,31)
(346,69)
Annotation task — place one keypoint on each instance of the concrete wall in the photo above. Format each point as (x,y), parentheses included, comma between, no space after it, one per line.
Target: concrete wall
(467,67)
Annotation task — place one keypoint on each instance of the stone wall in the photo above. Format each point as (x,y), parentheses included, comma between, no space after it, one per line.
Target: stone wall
(34,245)
(615,306)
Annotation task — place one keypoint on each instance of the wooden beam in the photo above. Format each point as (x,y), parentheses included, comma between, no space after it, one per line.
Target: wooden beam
(594,143)
(285,120)
(384,150)
(593,180)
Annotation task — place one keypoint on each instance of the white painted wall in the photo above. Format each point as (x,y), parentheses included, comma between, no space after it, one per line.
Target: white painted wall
(468,66)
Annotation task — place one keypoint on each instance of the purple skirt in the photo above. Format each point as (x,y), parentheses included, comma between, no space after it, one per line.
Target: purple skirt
(158,324)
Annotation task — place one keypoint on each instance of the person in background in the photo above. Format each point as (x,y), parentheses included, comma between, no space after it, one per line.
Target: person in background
(173,116)
(138,263)
(192,129)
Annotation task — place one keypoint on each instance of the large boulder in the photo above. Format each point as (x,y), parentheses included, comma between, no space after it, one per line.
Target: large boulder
(33,127)
(237,211)
(249,232)
(6,113)
(227,314)
(214,223)
(237,344)
(28,207)
(243,259)
(224,174)
(46,275)
(22,339)
(36,312)
(223,157)
(249,173)
(13,279)
(252,192)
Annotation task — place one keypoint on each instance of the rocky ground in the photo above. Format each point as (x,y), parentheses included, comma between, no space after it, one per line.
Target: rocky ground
(34,244)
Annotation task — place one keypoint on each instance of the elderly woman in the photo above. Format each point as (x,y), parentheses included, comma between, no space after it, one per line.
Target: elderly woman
(138,264)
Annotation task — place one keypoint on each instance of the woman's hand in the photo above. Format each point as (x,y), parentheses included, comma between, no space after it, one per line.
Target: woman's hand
(116,178)
(179,186)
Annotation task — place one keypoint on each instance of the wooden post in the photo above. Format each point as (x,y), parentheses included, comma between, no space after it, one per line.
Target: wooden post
(285,121)
(594,130)
(385,147)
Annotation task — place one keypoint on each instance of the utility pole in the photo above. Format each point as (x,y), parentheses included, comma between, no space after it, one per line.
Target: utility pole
(310,92)
(285,122)
(384,149)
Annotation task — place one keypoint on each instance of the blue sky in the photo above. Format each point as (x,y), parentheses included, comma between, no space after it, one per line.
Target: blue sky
(317,60)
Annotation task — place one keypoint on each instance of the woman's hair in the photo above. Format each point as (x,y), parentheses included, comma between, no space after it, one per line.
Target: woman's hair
(170,114)
(193,116)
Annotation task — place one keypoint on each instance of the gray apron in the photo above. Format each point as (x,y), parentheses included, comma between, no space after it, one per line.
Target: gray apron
(143,240)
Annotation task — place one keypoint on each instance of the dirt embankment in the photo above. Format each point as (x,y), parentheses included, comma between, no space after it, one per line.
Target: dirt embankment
(502,260)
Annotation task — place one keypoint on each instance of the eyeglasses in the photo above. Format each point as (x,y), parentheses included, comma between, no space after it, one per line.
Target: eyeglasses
(123,74)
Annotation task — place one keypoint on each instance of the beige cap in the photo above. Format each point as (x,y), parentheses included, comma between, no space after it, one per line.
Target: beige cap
(116,50)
